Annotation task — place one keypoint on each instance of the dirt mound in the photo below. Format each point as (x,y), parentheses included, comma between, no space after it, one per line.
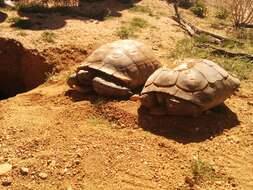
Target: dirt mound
(66,57)
(21,69)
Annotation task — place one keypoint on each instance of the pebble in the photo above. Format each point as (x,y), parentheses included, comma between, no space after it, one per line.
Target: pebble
(135,98)
(155,48)
(24,171)
(6,182)
(79,155)
(250,103)
(5,168)
(43,175)
(77,162)
(235,139)
(52,163)
(218,183)
(189,181)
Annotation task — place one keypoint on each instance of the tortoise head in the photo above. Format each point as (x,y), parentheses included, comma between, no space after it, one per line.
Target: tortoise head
(72,80)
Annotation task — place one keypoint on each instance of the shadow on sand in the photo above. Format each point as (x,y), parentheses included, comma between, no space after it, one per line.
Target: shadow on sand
(187,129)
(41,18)
(181,129)
(3,17)
(93,98)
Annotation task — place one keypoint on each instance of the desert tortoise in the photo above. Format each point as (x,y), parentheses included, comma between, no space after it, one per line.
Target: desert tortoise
(189,89)
(115,69)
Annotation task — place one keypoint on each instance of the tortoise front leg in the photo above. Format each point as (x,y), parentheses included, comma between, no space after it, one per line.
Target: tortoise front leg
(107,88)
(72,80)
(151,102)
(81,81)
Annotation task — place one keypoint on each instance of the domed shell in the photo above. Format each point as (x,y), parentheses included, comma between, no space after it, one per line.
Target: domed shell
(127,60)
(201,82)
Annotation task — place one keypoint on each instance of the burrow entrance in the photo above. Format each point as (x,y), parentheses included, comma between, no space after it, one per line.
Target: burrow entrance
(20,69)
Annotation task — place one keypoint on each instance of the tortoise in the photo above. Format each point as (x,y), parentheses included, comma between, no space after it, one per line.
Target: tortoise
(189,89)
(115,69)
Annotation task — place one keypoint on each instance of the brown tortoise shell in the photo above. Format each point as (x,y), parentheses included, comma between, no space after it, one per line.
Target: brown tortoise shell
(200,82)
(129,61)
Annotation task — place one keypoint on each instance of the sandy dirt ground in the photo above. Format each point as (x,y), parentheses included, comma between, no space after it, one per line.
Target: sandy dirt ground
(68,140)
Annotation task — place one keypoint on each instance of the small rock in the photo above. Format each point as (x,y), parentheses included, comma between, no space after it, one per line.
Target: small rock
(49,162)
(64,171)
(94,21)
(189,181)
(114,125)
(235,139)
(79,155)
(43,175)
(24,171)
(122,125)
(14,166)
(218,183)
(135,98)
(6,182)
(77,162)
(250,103)
(5,168)
(155,48)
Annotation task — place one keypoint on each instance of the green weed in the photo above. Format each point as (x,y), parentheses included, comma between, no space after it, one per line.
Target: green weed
(243,34)
(186,4)
(202,170)
(125,32)
(48,37)
(21,33)
(142,9)
(98,121)
(188,48)
(221,13)
(137,23)
(199,9)
(21,23)
(31,8)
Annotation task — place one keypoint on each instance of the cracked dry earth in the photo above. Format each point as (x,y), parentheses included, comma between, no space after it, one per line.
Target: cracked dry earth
(69,140)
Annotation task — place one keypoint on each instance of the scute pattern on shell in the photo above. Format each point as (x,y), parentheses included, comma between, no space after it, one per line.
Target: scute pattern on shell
(191,80)
(127,60)
(201,82)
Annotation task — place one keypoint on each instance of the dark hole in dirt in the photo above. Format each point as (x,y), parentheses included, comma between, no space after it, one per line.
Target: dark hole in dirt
(20,69)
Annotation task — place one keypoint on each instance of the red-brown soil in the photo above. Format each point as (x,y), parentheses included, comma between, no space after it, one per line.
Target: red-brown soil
(89,142)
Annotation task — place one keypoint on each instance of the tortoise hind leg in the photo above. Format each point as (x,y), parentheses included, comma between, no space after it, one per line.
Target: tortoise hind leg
(182,107)
(107,88)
